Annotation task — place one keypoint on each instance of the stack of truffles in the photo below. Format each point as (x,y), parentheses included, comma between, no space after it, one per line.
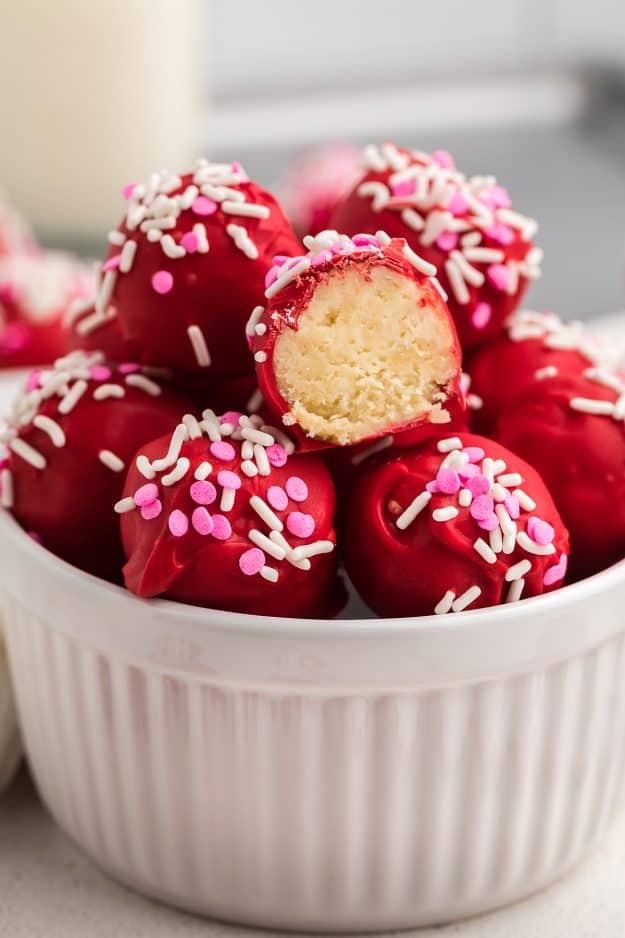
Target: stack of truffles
(240,416)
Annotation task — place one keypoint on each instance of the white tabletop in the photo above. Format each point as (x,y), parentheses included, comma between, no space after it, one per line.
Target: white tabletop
(48,889)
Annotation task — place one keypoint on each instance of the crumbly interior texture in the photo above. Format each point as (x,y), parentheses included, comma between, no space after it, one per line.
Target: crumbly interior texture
(367,354)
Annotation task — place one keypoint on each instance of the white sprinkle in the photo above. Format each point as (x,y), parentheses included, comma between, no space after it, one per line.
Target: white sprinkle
(257,436)
(371,158)
(51,427)
(253,321)
(95,321)
(128,256)
(260,357)
(455,460)
(72,397)
(380,194)
(155,235)
(445,604)
(488,468)
(158,224)
(468,597)
(6,482)
(287,444)
(287,277)
(227,499)
(452,442)
(245,208)
(188,197)
(104,391)
(255,401)
(601,376)
(495,539)
(249,468)
(456,282)
(587,406)
(211,425)
(104,294)
(482,255)
(247,449)
(203,471)
(312,550)
(262,460)
(383,238)
(179,436)
(526,543)
(438,286)
(243,241)
(437,222)
(549,371)
(465,498)
(199,230)
(170,248)
(471,274)
(444,514)
(498,492)
(263,510)
(423,266)
(200,348)
(77,308)
(270,547)
(116,237)
(515,591)
(485,552)
(412,219)
(178,472)
(268,573)
(518,570)
(145,384)
(471,240)
(383,443)
(526,503)
(415,507)
(508,526)
(193,428)
(124,504)
(145,468)
(111,461)
(510,478)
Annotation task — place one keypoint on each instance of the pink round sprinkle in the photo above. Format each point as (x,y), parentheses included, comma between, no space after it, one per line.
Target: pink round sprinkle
(490,523)
(151,511)
(281,259)
(252,561)
(112,263)
(557,571)
(443,158)
(468,471)
(321,258)
(222,528)
(145,494)
(363,240)
(203,206)
(203,492)
(271,276)
(128,189)
(496,197)
(482,506)
(276,454)
(294,261)
(228,480)
(498,276)
(500,233)
(296,489)
(457,205)
(32,382)
(162,281)
(201,521)
(237,168)
(129,368)
(300,524)
(178,523)
(481,315)
(540,531)
(432,487)
(37,538)
(223,451)
(405,187)
(232,417)
(448,480)
(513,506)
(277,497)
(479,487)
(475,453)
(447,241)
(190,242)
(100,373)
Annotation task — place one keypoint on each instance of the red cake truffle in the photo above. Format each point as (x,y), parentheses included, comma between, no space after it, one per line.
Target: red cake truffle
(480,246)
(532,347)
(36,290)
(458,523)
(356,342)
(220,515)
(70,437)
(571,428)
(318,180)
(186,266)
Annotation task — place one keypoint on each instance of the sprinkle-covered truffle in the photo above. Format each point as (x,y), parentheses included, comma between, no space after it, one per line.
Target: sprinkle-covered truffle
(315,184)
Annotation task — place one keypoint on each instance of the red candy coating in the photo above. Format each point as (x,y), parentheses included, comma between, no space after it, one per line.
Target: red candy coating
(199,546)
(414,568)
(69,503)
(482,249)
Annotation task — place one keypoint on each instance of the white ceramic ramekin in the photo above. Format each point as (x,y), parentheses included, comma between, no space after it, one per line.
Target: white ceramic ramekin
(364,774)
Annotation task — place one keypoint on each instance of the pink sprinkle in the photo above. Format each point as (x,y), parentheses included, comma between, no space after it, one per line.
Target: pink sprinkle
(481,315)
(482,506)
(447,241)
(296,489)
(432,487)
(468,471)
(513,506)
(223,451)
(203,206)
(222,528)
(490,523)
(228,480)
(201,521)
(37,538)
(443,158)
(497,197)
(190,242)
(178,523)
(362,240)
(271,276)
(232,417)
(498,276)
(300,524)
(100,373)
(448,480)
(405,187)
(203,492)
(32,382)
(281,259)
(151,511)
(321,258)
(277,497)
(129,368)
(500,233)
(540,531)
(557,571)
(276,455)
(479,487)
(475,453)
(294,261)
(128,189)
(145,495)
(457,205)
(112,263)
(252,561)
(162,281)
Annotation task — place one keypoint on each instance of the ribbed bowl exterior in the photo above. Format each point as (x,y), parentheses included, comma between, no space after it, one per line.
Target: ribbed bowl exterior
(307,807)
(10,746)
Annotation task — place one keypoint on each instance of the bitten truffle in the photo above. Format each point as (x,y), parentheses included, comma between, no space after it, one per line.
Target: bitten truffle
(482,248)
(220,515)
(571,428)
(70,438)
(355,342)
(187,264)
(457,523)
